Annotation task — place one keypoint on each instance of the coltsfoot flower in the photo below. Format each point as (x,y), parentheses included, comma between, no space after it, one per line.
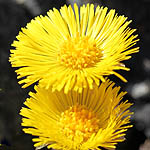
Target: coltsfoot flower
(77,121)
(73,49)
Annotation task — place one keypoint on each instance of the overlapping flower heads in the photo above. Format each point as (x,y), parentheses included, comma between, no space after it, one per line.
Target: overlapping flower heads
(69,52)
(73,49)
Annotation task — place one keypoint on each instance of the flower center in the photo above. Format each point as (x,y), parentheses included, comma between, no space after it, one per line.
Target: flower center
(78,121)
(79,52)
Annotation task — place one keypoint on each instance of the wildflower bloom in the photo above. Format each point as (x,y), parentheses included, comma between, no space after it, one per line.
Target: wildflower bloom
(73,49)
(77,121)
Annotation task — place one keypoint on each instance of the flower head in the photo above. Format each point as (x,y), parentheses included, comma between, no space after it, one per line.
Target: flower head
(73,49)
(77,121)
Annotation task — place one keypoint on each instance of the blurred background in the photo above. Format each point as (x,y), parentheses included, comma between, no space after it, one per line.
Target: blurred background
(15,14)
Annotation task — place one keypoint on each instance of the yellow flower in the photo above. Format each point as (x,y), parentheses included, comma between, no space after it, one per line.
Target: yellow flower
(77,121)
(73,49)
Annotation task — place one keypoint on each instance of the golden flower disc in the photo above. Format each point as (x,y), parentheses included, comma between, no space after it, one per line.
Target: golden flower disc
(79,121)
(79,52)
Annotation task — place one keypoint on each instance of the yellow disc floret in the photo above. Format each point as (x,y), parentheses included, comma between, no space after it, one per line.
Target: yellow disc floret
(79,121)
(79,52)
